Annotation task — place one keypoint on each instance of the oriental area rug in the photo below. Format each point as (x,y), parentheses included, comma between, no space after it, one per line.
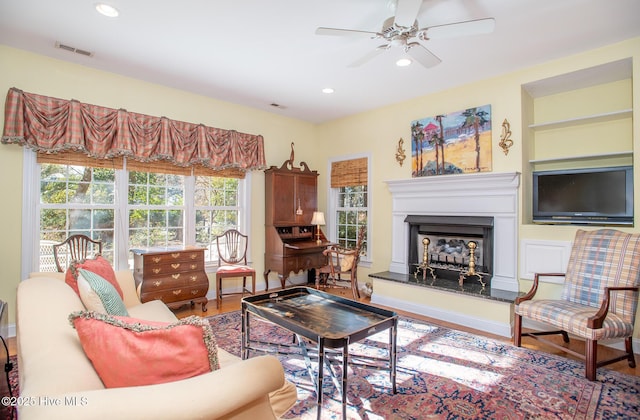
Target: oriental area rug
(448,374)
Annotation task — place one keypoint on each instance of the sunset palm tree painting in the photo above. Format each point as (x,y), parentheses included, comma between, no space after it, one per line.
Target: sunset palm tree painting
(455,143)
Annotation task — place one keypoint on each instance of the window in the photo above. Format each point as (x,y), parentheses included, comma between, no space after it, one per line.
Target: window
(75,200)
(156,209)
(160,210)
(217,209)
(349,200)
(351,214)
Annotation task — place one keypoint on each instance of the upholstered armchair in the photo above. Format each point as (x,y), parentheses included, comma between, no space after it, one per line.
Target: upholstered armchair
(598,301)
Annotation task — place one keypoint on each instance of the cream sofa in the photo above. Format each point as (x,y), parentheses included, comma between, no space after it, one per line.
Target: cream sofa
(57,380)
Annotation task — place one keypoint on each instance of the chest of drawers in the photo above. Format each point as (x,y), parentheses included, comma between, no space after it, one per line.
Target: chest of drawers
(176,276)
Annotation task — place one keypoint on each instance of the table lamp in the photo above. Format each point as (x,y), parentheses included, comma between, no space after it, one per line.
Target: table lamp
(318,219)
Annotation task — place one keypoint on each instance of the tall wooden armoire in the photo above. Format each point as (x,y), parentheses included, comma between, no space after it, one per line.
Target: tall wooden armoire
(291,198)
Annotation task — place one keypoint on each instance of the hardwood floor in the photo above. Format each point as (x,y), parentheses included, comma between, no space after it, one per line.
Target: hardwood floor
(232,303)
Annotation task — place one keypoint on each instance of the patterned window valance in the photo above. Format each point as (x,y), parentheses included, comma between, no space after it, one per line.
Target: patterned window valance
(51,125)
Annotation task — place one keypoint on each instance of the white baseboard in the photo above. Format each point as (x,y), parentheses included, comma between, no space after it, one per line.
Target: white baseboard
(497,328)
(493,327)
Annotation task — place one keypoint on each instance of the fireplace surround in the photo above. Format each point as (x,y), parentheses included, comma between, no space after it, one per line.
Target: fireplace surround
(480,196)
(485,196)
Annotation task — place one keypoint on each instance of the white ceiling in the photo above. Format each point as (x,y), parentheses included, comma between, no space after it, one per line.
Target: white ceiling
(261,52)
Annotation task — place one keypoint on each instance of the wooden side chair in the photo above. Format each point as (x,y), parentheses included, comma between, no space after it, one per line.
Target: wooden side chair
(342,266)
(598,301)
(75,247)
(232,262)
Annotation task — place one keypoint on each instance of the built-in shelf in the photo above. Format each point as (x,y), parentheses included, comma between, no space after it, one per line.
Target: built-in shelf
(587,119)
(578,157)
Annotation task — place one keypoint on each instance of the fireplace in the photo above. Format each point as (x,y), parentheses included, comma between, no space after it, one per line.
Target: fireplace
(487,203)
(451,247)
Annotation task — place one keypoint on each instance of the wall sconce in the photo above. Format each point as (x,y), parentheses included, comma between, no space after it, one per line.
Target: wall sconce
(505,137)
(318,220)
(400,156)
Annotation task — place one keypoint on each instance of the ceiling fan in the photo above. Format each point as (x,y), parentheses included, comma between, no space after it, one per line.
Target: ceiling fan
(402,30)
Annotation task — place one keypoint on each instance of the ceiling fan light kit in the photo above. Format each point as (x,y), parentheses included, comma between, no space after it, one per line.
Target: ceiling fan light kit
(402,30)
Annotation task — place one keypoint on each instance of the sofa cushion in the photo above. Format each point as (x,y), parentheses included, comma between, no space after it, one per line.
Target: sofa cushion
(98,295)
(131,352)
(97,265)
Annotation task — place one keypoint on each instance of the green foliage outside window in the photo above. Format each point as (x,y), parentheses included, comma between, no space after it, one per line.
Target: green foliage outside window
(77,199)
(351,215)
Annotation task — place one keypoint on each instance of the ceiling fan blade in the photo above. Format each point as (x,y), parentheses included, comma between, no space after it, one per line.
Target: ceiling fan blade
(407,12)
(422,55)
(344,32)
(369,56)
(451,30)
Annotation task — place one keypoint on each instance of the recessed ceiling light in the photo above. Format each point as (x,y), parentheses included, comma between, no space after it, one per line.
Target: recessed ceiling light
(403,62)
(107,10)
(327,90)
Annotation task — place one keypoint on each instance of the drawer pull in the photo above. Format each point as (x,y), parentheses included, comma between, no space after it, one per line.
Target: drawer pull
(175,254)
(194,266)
(157,283)
(177,292)
(175,276)
(156,259)
(195,292)
(175,266)
(194,278)
(156,270)
(194,256)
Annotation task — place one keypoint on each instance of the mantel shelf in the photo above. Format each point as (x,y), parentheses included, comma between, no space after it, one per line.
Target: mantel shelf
(578,157)
(606,116)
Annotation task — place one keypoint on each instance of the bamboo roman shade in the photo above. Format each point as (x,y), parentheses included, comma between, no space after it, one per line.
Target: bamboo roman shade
(349,173)
(80,159)
(76,158)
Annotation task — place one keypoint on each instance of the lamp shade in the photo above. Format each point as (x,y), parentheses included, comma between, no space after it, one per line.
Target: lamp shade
(318,218)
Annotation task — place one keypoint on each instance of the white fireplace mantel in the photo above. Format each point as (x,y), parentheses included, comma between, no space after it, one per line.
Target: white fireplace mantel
(478,194)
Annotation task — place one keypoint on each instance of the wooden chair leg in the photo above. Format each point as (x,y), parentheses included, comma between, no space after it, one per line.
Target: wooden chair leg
(591,359)
(517,332)
(629,347)
(253,284)
(218,292)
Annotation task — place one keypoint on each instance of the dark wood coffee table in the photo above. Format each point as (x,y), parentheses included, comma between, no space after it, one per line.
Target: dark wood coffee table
(331,322)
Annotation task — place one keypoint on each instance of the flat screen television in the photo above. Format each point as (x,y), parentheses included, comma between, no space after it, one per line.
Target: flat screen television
(598,196)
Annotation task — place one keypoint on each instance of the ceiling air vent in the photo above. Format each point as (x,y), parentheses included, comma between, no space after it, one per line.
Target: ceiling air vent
(73,49)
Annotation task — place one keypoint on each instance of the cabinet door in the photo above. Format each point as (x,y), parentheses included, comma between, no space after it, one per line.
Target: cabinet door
(284,198)
(306,194)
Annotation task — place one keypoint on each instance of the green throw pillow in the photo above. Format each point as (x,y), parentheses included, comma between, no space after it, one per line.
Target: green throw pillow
(98,295)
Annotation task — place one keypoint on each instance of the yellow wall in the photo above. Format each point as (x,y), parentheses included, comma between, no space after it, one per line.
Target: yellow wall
(376,132)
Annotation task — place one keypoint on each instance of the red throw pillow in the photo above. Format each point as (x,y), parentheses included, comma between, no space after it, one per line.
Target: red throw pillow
(98,265)
(132,352)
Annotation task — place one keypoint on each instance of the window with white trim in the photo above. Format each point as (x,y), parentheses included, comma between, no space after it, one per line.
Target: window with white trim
(349,200)
(129,209)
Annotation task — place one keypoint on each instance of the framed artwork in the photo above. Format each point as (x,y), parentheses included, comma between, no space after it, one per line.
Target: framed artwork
(455,143)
